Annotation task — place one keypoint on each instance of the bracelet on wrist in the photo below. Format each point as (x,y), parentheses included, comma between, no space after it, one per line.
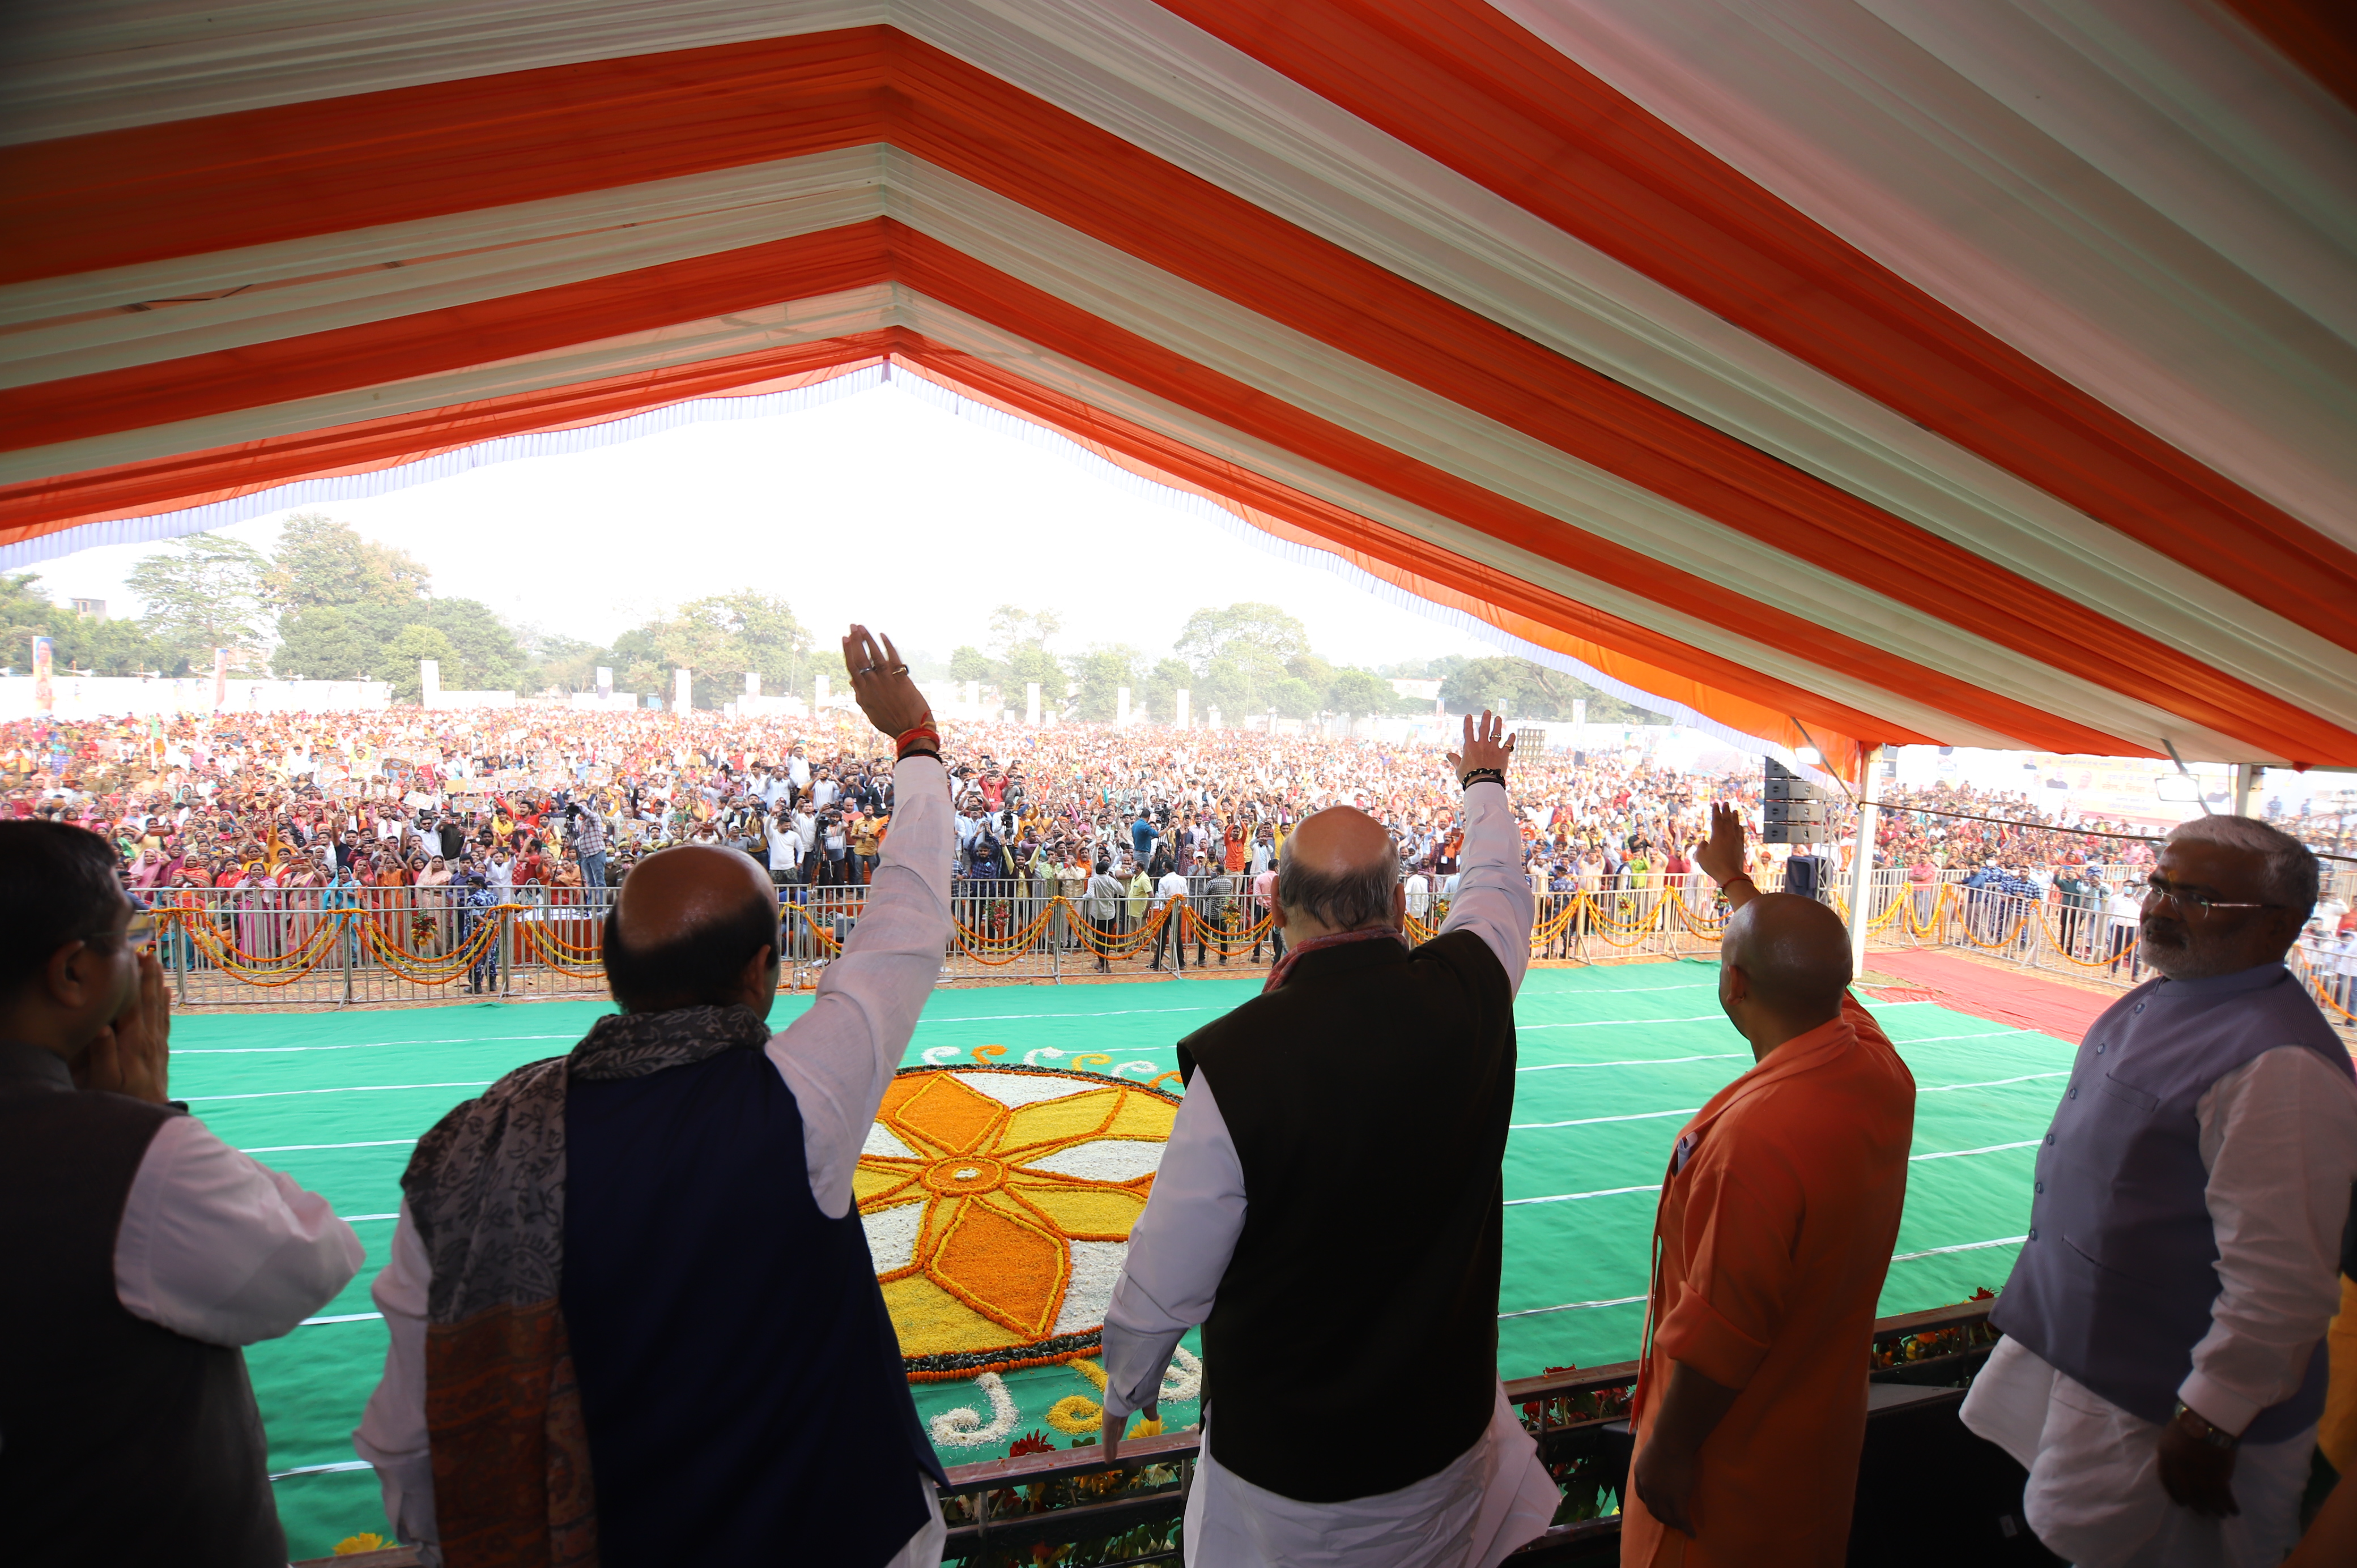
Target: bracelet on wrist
(1482,775)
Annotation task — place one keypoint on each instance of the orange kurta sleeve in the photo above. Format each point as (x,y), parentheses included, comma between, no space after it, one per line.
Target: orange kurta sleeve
(1736,1269)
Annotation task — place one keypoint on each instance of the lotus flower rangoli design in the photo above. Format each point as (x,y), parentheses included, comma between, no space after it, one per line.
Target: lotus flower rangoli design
(999,1202)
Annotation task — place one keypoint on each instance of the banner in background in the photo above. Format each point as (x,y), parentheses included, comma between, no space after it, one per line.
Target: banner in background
(45,690)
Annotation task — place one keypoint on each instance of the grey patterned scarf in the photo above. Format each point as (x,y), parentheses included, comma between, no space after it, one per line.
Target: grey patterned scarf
(486,1187)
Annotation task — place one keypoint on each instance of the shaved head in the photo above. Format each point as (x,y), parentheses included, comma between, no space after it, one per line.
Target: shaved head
(1784,965)
(1339,870)
(686,925)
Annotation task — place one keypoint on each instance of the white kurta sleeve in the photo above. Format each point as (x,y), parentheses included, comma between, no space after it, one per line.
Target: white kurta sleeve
(839,1057)
(1493,897)
(391,1434)
(217,1246)
(1178,1251)
(2279,1136)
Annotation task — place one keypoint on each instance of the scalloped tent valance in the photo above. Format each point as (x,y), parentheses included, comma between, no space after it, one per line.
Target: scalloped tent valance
(1844,372)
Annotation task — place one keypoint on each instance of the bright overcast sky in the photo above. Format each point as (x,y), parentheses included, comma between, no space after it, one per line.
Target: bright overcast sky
(875,506)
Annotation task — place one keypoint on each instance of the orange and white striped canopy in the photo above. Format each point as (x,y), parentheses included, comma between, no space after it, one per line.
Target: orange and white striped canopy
(1850,371)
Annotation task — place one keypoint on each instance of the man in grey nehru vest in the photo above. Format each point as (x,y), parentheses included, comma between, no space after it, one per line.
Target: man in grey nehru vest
(2161,1374)
(1328,1210)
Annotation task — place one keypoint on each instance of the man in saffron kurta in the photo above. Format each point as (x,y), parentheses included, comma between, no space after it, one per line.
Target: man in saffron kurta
(1777,1214)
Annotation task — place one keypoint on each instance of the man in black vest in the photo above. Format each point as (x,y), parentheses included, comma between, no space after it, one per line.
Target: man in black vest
(1329,1203)
(142,1250)
(633,1315)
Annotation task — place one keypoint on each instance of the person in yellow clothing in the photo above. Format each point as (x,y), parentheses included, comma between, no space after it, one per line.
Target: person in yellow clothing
(2336,1433)
(1141,888)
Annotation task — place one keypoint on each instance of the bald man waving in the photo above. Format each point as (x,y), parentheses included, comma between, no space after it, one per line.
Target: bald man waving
(1328,1210)
(1777,1217)
(633,1317)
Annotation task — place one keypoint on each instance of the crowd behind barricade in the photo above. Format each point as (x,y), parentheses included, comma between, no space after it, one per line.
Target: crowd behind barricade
(430,819)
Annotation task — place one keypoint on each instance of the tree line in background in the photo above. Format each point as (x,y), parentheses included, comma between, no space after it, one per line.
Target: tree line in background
(326,604)
(1248,660)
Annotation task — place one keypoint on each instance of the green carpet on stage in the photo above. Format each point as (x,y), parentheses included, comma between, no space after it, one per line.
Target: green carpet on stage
(1612,1060)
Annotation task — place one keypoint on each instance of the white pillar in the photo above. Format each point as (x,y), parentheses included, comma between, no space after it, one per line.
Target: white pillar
(1178,712)
(1121,704)
(429,683)
(221,678)
(752,683)
(1861,858)
(2246,784)
(1031,703)
(683,691)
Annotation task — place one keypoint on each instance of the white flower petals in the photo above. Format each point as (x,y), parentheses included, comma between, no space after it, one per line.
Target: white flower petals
(964,1428)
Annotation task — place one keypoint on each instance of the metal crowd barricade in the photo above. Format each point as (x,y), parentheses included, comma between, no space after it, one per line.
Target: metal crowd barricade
(295,947)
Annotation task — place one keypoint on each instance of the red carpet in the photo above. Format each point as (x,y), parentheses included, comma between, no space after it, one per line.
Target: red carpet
(2000,995)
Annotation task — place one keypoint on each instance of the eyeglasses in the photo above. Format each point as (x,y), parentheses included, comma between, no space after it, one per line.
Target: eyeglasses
(2191,900)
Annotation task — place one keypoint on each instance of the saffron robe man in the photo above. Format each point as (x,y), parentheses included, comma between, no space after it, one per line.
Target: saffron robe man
(1777,1218)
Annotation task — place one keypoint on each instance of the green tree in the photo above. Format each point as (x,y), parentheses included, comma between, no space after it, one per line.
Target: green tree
(1012,627)
(722,637)
(1266,629)
(486,644)
(1311,671)
(79,642)
(1023,665)
(321,563)
(337,642)
(328,643)
(638,665)
(1520,688)
(204,592)
(1293,698)
(968,662)
(1101,673)
(1241,681)
(1157,693)
(400,658)
(1357,692)
(556,664)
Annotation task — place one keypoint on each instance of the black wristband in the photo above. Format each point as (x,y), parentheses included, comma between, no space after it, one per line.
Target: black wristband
(1492,774)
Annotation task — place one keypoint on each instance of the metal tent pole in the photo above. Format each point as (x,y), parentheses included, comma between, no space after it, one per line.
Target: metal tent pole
(1861,858)
(2246,784)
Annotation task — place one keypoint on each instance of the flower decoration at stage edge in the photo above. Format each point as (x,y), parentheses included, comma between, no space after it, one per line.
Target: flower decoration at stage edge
(998,1203)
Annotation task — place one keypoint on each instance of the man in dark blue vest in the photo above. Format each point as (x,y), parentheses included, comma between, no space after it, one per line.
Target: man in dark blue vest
(2160,1375)
(633,1315)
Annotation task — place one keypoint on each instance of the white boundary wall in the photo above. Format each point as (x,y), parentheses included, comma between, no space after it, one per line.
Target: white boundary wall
(94,696)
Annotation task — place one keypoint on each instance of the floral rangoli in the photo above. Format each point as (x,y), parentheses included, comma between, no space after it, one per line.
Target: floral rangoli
(999,1202)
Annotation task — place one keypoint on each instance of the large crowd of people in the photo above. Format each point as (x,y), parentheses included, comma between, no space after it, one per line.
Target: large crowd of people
(439,811)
